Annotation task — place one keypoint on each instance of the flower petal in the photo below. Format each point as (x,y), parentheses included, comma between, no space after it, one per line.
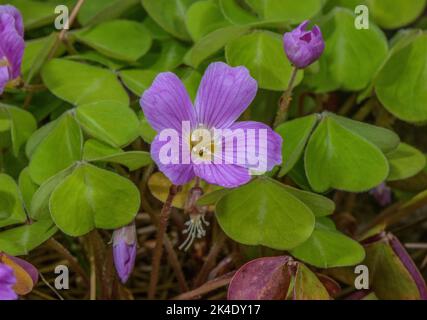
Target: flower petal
(4,78)
(124,260)
(7,281)
(178,173)
(12,45)
(166,104)
(263,146)
(223,95)
(18,21)
(225,175)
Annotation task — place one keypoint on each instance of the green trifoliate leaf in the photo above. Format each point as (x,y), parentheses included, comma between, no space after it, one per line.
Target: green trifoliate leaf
(95,151)
(295,135)
(60,148)
(405,162)
(392,14)
(109,121)
(275,218)
(119,39)
(79,83)
(90,198)
(11,207)
(262,53)
(328,248)
(351,58)
(21,240)
(170,15)
(339,158)
(401,85)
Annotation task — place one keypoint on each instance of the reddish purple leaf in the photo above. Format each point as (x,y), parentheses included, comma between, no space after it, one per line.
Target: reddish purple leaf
(261,279)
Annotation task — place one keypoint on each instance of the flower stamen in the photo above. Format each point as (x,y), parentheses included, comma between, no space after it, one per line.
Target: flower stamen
(195,230)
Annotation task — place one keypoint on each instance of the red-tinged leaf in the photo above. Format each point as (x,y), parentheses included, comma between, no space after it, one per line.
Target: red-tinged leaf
(362,295)
(307,286)
(330,284)
(405,258)
(260,279)
(276,278)
(28,267)
(393,274)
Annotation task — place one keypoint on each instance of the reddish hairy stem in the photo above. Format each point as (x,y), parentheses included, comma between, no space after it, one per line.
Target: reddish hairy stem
(211,258)
(285,100)
(207,287)
(172,256)
(161,231)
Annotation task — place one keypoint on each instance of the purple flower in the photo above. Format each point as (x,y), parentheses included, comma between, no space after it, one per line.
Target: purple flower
(11,44)
(303,47)
(7,281)
(382,194)
(124,251)
(223,95)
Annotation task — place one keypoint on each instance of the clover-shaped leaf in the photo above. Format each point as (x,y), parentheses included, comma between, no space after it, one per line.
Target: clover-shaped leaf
(276,217)
(11,207)
(96,151)
(262,53)
(296,134)
(19,122)
(119,39)
(396,13)
(401,85)
(79,83)
(213,42)
(405,162)
(109,121)
(90,198)
(170,15)
(137,80)
(96,11)
(287,11)
(60,148)
(204,17)
(21,240)
(352,56)
(339,158)
(328,248)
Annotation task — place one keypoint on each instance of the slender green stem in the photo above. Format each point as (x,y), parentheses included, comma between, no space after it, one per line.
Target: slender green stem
(285,100)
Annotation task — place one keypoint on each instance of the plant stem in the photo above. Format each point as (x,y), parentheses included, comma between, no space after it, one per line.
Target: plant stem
(161,231)
(58,247)
(211,258)
(176,266)
(285,100)
(395,213)
(62,34)
(172,256)
(207,287)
